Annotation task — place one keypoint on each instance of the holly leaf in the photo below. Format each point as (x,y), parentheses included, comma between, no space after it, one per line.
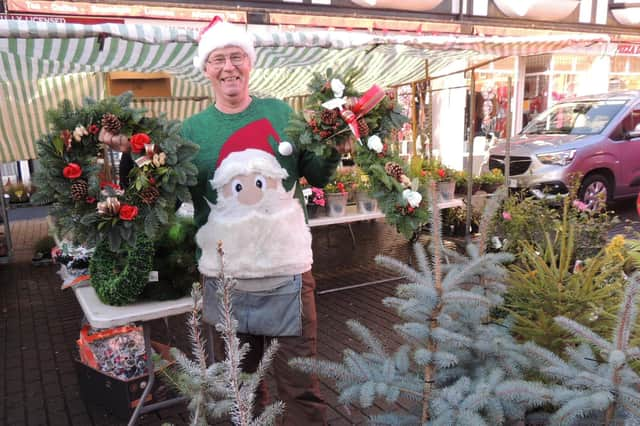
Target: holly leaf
(58,144)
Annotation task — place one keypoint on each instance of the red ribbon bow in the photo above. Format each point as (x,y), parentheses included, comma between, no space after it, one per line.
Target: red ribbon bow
(366,103)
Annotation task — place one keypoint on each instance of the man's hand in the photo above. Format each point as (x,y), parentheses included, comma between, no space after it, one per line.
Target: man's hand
(345,145)
(115,142)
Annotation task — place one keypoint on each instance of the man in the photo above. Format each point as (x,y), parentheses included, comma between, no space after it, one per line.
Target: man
(246,181)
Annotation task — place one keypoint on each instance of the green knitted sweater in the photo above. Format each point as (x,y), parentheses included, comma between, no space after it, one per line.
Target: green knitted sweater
(211,128)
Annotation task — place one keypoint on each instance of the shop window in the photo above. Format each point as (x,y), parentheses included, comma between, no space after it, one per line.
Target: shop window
(563,63)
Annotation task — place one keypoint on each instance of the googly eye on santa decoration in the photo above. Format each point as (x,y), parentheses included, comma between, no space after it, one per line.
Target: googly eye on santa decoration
(236,187)
(261,182)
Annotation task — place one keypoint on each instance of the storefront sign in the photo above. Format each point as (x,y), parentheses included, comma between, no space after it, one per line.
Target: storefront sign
(121,10)
(628,49)
(59,19)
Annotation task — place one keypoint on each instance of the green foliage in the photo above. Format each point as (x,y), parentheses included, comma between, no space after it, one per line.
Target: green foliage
(18,192)
(120,277)
(74,139)
(175,261)
(309,131)
(545,285)
(455,366)
(526,220)
(44,245)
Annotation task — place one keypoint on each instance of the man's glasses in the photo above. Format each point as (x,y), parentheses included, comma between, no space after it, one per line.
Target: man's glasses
(218,61)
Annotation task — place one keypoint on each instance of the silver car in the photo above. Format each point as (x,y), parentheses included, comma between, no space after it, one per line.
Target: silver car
(594,137)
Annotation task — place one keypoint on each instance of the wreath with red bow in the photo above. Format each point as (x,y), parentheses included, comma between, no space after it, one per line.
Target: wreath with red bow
(335,110)
(88,207)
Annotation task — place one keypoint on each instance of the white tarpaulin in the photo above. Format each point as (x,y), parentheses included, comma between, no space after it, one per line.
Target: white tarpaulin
(43,63)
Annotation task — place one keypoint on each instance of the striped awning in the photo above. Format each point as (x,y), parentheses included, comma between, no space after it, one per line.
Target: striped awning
(43,63)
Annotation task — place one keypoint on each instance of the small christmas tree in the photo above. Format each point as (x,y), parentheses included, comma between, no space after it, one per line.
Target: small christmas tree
(456,366)
(221,389)
(599,387)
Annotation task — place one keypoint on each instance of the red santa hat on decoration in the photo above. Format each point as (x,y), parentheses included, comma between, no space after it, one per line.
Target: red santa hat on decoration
(222,34)
(248,151)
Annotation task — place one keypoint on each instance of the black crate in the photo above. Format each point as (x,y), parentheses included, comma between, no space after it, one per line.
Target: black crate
(118,397)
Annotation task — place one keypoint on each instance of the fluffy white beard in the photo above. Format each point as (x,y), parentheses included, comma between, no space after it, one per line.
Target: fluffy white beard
(264,240)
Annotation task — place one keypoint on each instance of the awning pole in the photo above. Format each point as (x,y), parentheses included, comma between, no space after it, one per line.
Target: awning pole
(507,148)
(414,114)
(429,115)
(5,218)
(472,127)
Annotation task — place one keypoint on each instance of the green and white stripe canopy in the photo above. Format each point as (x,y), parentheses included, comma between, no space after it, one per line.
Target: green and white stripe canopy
(43,63)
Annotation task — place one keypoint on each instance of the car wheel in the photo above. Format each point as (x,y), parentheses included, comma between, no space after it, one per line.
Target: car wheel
(595,192)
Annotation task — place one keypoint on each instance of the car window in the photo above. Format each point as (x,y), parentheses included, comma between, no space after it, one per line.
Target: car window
(630,123)
(575,118)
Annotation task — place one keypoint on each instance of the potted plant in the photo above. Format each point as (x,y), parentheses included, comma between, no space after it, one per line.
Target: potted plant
(18,192)
(336,195)
(445,177)
(491,180)
(314,199)
(365,202)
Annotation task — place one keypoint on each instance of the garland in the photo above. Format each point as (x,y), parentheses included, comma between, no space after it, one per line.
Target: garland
(90,209)
(335,110)
(117,281)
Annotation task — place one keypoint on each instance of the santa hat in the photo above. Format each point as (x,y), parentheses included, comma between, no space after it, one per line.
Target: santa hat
(222,34)
(248,151)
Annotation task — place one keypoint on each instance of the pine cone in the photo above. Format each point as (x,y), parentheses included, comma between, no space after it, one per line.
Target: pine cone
(79,190)
(394,170)
(149,195)
(111,123)
(329,116)
(363,127)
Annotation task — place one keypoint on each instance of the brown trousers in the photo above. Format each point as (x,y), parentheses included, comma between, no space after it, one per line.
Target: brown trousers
(300,392)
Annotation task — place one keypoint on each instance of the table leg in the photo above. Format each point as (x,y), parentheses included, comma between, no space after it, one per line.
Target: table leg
(146,330)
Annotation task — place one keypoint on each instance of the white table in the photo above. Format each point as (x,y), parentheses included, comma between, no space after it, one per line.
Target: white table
(100,315)
(351,216)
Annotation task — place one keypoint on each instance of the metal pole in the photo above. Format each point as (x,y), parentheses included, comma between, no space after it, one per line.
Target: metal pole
(5,218)
(507,152)
(414,114)
(429,116)
(472,133)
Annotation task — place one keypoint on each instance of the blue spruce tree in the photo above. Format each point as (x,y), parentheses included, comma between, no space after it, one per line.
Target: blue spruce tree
(456,366)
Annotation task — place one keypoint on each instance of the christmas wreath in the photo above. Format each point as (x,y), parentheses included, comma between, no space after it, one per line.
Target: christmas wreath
(335,110)
(90,208)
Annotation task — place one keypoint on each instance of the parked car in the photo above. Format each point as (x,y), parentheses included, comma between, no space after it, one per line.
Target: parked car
(595,137)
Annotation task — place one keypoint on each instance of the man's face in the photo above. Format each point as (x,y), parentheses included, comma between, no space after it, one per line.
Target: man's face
(228,69)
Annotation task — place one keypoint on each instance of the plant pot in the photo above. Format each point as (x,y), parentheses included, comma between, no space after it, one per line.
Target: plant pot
(313,210)
(336,203)
(366,203)
(446,190)
(490,187)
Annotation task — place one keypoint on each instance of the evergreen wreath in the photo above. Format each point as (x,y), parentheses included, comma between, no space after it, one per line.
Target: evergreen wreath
(119,280)
(335,110)
(90,209)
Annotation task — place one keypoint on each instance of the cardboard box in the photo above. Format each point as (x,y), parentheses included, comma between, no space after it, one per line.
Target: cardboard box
(141,84)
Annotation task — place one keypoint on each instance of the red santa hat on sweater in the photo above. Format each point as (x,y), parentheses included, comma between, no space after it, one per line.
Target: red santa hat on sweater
(248,151)
(222,34)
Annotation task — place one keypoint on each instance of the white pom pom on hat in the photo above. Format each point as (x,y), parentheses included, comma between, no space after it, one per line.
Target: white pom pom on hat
(220,34)
(285,148)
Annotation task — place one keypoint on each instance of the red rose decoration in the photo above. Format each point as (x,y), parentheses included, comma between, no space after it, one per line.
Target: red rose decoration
(115,186)
(128,212)
(138,141)
(94,129)
(442,173)
(72,171)
(90,200)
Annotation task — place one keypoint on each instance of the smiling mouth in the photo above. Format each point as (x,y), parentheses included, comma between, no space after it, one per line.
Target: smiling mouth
(229,79)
